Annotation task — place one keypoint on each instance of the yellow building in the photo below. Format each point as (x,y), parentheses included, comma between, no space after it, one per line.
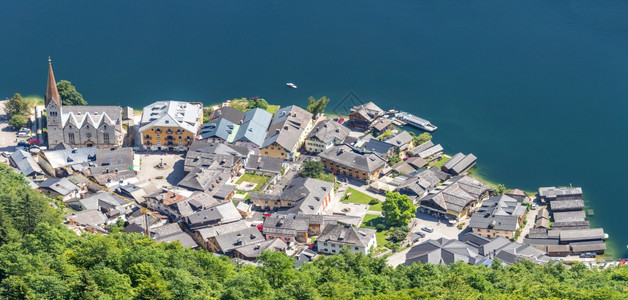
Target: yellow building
(287,132)
(170,125)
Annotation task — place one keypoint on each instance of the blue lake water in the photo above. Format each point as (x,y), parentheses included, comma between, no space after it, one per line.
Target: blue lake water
(538,90)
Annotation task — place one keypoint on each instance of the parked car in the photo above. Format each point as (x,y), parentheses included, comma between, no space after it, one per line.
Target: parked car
(427,229)
(533,206)
(421,234)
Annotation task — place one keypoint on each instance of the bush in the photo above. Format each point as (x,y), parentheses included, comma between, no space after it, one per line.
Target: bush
(397,235)
(18,121)
(380,227)
(373,201)
(460,225)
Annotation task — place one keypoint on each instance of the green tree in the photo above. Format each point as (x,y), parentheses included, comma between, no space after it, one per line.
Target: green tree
(69,94)
(18,121)
(15,287)
(277,268)
(397,235)
(317,106)
(394,159)
(17,105)
(398,209)
(499,190)
(421,138)
(207,113)
(256,102)
(312,169)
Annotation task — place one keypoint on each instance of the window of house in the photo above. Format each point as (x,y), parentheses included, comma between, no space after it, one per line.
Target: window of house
(325,244)
(333,251)
(106,138)
(356,248)
(71,138)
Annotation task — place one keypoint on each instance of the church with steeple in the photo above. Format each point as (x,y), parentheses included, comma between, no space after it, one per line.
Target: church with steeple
(78,126)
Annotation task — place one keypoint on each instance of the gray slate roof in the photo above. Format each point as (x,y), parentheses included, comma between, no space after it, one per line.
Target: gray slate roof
(222,128)
(254,250)
(287,126)
(222,213)
(91,217)
(431,151)
(284,226)
(499,213)
(25,162)
(345,155)
(566,205)
(209,232)
(377,146)
(457,194)
(329,130)
(553,192)
(420,148)
(264,163)
(569,216)
(172,232)
(62,186)
(307,194)
(348,235)
(235,239)
(459,163)
(227,113)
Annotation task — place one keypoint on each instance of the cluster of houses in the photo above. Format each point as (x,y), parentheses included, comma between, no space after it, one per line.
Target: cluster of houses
(87,167)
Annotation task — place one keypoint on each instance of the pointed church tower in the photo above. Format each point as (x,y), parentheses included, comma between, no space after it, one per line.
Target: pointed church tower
(53,110)
(52,94)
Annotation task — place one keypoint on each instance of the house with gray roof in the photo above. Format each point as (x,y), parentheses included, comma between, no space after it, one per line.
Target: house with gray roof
(60,187)
(335,237)
(213,216)
(206,237)
(381,125)
(419,183)
(459,164)
(547,194)
(287,132)
(566,205)
(324,135)
(381,148)
(362,116)
(172,232)
(498,216)
(456,197)
(227,113)
(401,141)
(89,217)
(420,148)
(26,164)
(432,154)
(473,249)
(308,196)
(236,239)
(286,229)
(254,250)
(346,161)
(205,180)
(264,165)
(209,154)
(253,130)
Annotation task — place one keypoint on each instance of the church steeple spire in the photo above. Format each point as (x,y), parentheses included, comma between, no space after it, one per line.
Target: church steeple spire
(52,94)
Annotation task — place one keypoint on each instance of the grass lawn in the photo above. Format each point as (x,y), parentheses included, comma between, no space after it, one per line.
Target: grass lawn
(362,198)
(272,108)
(357,197)
(440,163)
(370,221)
(259,179)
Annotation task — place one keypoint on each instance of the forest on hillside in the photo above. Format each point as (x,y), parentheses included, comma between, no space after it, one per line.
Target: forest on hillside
(41,259)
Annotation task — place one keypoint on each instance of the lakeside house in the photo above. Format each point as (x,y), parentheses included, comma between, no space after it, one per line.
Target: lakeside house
(287,132)
(324,135)
(401,141)
(362,116)
(456,197)
(547,194)
(498,216)
(252,132)
(459,163)
(170,125)
(347,161)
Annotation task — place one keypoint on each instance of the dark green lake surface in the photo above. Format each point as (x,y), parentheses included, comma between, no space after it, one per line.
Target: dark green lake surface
(538,90)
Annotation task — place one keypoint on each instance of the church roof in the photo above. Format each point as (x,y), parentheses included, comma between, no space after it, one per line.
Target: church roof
(52,94)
